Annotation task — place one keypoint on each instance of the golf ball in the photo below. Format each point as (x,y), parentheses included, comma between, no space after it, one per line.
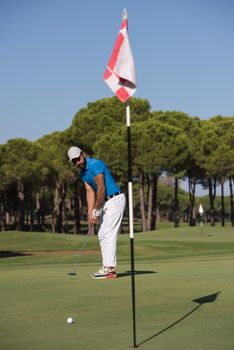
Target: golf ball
(70,320)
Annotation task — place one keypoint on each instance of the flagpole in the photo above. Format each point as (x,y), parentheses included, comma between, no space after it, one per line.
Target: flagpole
(120,77)
(131,227)
(201,211)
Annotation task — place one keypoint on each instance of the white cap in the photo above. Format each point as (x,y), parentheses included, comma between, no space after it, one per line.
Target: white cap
(74,152)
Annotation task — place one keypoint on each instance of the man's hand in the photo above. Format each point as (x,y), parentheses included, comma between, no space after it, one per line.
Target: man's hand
(94,220)
(95,215)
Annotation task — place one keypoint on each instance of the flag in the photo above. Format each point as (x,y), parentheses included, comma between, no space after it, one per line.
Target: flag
(200,209)
(120,72)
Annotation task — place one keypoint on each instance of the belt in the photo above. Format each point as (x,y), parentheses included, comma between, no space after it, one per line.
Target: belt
(113,195)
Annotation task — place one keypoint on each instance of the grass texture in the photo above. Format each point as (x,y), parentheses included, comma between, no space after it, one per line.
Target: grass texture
(184,292)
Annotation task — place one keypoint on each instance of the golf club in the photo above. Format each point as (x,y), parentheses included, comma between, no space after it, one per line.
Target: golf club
(73,273)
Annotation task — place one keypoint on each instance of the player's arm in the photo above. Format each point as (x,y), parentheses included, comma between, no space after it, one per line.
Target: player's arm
(90,197)
(101,190)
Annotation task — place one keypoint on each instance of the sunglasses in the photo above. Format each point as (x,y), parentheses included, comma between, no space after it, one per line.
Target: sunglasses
(75,160)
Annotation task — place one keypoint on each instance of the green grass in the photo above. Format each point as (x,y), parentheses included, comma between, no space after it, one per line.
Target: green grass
(174,267)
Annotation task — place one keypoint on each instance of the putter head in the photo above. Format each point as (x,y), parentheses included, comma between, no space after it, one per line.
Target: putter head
(71,273)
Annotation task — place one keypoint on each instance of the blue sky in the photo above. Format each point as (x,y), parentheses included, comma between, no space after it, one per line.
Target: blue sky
(53,55)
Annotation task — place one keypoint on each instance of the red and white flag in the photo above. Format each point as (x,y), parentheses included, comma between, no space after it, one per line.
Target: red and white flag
(120,72)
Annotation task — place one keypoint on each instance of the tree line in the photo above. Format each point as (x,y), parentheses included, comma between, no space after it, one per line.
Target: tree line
(39,186)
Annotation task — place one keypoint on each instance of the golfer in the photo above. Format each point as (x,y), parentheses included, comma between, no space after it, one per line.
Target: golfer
(105,203)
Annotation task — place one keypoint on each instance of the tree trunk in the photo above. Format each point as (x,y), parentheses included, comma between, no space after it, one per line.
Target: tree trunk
(63,194)
(42,211)
(53,221)
(59,206)
(4,213)
(222,204)
(192,213)
(38,209)
(76,225)
(212,195)
(2,216)
(31,215)
(7,218)
(142,200)
(152,202)
(176,204)
(20,214)
(56,209)
(150,198)
(231,202)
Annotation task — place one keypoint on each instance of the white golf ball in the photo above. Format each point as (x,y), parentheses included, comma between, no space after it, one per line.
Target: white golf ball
(70,320)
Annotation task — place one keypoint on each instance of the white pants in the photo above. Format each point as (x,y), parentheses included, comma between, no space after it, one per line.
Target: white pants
(110,221)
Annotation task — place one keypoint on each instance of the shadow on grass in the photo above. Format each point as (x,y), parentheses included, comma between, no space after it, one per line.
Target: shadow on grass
(11,254)
(200,301)
(129,273)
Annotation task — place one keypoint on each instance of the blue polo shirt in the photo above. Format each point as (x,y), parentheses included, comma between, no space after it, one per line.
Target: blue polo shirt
(95,167)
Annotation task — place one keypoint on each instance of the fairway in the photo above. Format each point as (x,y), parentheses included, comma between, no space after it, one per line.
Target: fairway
(184,292)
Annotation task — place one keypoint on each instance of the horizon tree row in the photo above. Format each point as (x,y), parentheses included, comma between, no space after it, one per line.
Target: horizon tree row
(37,175)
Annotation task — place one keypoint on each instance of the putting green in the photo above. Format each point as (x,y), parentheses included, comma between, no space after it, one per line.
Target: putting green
(184,293)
